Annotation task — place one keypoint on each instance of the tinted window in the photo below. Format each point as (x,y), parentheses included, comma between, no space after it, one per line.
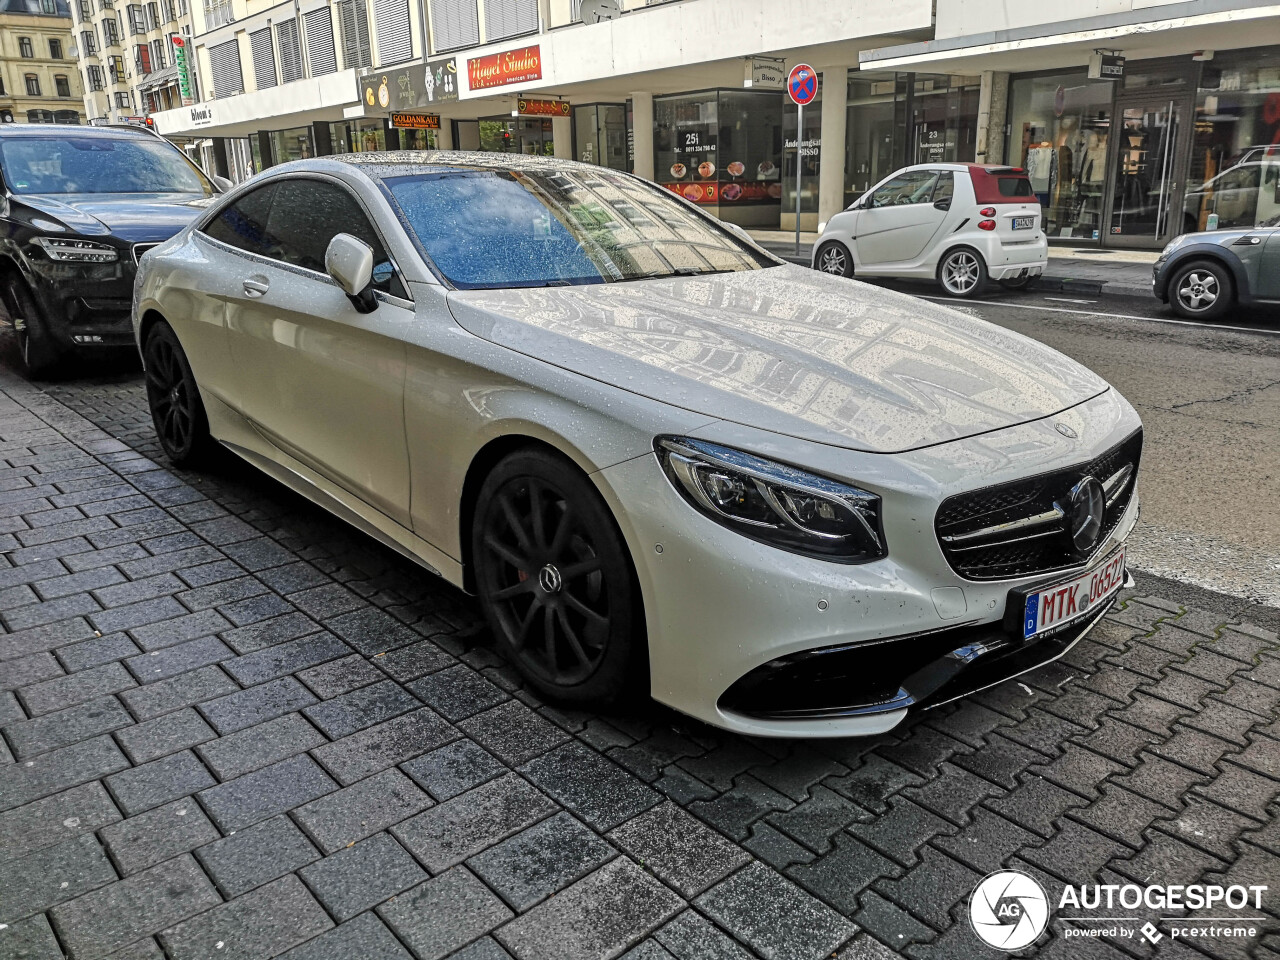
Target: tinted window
(244,223)
(307,214)
(1014,187)
(499,228)
(914,186)
(946,187)
(71,164)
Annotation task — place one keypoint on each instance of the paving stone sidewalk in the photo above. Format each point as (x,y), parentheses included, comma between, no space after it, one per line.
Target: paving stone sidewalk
(235,728)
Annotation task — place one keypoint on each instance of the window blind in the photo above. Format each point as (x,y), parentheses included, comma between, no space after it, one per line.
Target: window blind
(455,24)
(224,59)
(353,17)
(509,18)
(320,49)
(264,58)
(290,50)
(395,43)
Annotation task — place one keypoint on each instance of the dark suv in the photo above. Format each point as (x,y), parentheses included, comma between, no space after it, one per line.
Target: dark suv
(79,206)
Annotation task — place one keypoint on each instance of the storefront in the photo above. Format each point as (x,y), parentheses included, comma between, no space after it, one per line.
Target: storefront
(1174,146)
(600,135)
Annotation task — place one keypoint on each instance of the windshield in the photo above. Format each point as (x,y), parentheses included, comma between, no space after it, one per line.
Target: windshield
(494,229)
(71,164)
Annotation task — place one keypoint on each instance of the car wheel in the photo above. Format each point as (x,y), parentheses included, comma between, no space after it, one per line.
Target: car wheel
(555,580)
(176,408)
(1201,290)
(833,258)
(1017,283)
(40,355)
(962,272)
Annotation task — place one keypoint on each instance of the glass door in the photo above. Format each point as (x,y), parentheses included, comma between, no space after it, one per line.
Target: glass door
(1148,169)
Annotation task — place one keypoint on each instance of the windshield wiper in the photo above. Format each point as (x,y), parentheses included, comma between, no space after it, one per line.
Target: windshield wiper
(699,272)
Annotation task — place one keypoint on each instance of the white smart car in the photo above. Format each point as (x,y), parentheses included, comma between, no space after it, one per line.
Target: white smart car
(959,223)
(783,503)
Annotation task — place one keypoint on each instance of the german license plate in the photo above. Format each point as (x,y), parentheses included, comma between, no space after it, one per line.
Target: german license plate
(1052,607)
(1023,223)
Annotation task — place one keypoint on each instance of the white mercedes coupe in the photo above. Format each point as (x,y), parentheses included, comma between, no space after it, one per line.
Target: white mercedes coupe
(785,503)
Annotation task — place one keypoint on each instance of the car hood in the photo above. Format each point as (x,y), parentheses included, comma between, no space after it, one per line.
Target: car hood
(790,350)
(133,217)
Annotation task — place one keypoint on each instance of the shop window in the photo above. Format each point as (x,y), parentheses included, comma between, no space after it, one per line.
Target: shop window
(1059,128)
(601,131)
(723,149)
(66,116)
(810,156)
(875,131)
(292,144)
(528,135)
(63,86)
(40,116)
(358,136)
(1234,175)
(943,118)
(25,49)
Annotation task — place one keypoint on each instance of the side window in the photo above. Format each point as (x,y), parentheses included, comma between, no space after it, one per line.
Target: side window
(307,214)
(945,188)
(243,224)
(914,186)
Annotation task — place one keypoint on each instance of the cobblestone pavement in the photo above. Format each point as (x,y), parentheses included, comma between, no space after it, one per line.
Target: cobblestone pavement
(234,728)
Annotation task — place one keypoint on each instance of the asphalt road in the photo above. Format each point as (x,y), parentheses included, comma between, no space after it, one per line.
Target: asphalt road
(1210,401)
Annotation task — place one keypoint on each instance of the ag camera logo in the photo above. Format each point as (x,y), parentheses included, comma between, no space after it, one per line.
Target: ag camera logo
(1008,910)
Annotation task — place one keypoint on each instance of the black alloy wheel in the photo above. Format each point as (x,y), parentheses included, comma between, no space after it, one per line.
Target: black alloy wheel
(176,408)
(40,355)
(555,580)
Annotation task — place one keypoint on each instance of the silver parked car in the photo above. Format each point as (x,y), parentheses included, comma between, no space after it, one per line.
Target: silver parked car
(782,502)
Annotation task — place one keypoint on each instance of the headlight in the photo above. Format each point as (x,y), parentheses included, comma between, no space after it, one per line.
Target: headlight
(79,251)
(775,503)
(1172,245)
(822,228)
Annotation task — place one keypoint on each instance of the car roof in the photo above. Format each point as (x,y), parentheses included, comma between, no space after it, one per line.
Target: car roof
(80,130)
(400,163)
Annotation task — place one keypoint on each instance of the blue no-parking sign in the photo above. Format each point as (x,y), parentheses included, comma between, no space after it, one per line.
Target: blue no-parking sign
(802,84)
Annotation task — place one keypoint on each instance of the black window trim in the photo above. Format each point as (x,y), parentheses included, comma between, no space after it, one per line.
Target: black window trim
(236,196)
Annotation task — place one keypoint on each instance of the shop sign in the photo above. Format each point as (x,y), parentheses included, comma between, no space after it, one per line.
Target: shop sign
(415,121)
(543,108)
(201,116)
(440,80)
(1106,66)
(765,73)
(809,148)
(184,71)
(500,69)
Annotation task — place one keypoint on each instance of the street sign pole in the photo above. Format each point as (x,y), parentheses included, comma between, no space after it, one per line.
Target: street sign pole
(799,142)
(802,85)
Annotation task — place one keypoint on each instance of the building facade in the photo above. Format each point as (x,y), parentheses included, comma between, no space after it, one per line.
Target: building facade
(128,55)
(1178,128)
(39,82)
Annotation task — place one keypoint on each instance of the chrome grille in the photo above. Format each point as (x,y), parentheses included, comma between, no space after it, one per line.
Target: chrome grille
(140,248)
(1020,528)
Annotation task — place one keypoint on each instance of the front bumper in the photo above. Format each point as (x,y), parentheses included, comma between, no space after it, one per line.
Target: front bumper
(720,607)
(86,305)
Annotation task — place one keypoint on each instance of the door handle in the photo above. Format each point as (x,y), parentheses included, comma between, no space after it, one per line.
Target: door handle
(256,288)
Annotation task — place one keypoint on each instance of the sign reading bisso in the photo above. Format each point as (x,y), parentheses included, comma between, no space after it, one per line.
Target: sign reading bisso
(500,69)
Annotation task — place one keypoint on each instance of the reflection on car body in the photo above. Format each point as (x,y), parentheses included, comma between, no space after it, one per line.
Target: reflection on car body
(784,503)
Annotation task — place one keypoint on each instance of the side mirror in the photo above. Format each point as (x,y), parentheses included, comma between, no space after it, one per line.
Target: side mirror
(222,183)
(942,204)
(350,262)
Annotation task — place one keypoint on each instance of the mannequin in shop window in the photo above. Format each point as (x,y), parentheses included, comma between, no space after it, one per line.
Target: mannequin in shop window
(1041,160)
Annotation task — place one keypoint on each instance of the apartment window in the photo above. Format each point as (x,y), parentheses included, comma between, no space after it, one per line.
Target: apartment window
(94,76)
(394,40)
(25,48)
(170,11)
(224,59)
(115,66)
(320,50)
(122,101)
(2,93)
(33,85)
(86,11)
(137,23)
(353,18)
(48,6)
(88,43)
(142,58)
(509,18)
(290,50)
(63,85)
(106,5)
(153,16)
(110,32)
(264,58)
(455,24)
(216,13)
(55,49)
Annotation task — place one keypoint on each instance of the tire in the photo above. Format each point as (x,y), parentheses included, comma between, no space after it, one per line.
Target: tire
(962,272)
(834,258)
(177,411)
(40,355)
(1020,283)
(556,582)
(1201,290)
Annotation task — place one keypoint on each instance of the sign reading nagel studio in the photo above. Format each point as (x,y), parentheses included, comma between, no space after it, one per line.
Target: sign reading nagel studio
(528,107)
(500,69)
